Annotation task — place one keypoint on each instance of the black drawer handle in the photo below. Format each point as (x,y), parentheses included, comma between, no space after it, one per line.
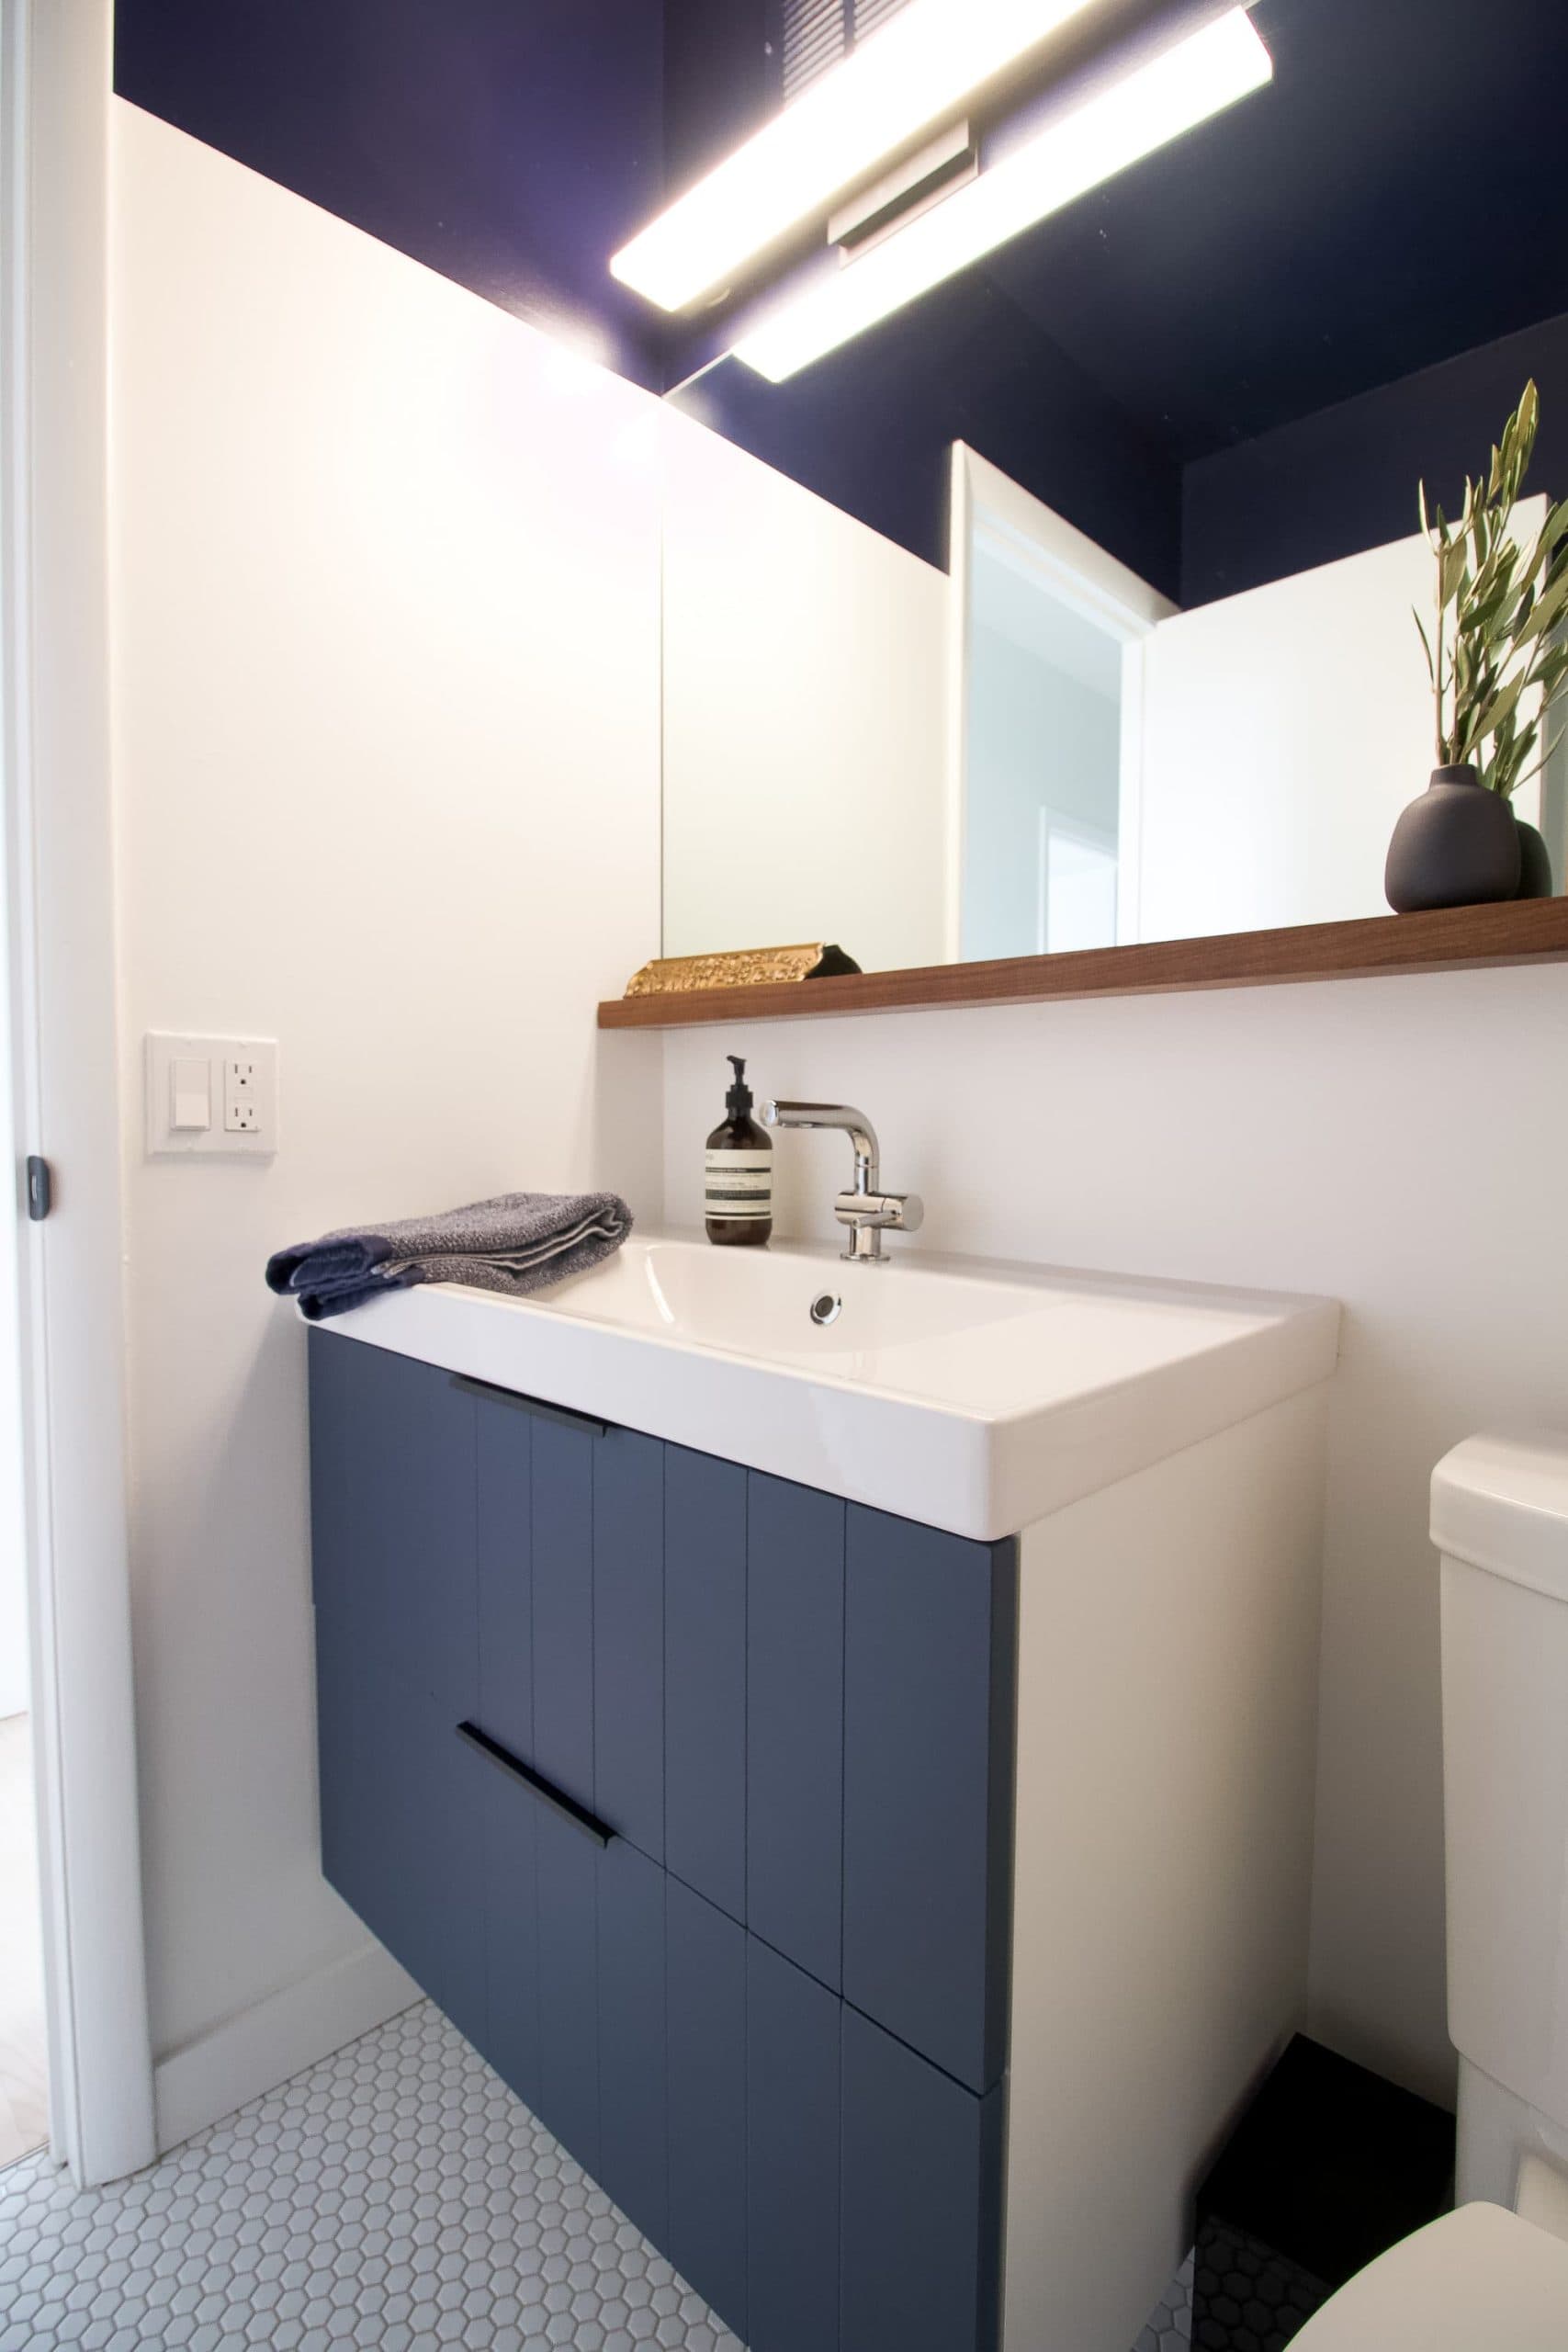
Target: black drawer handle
(557,1799)
(488,1395)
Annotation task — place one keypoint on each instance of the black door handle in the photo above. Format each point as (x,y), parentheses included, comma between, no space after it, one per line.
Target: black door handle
(490,1394)
(557,1799)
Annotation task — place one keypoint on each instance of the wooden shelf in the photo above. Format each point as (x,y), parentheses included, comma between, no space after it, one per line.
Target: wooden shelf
(1454,939)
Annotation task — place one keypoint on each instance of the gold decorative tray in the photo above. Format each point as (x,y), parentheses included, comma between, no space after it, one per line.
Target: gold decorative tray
(736,967)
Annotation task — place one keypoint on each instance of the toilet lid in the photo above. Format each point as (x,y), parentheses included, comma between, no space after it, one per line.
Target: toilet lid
(1501,1502)
(1478,2281)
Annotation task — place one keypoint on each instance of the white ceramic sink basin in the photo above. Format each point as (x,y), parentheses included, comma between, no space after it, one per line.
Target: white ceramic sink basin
(973,1396)
(891,1326)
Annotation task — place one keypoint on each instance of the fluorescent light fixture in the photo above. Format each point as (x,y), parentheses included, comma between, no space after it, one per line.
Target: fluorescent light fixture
(921,66)
(1156,103)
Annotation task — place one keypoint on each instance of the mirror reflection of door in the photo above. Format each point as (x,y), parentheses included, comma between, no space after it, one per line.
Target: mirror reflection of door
(1046,784)
(1075,900)
(1043,762)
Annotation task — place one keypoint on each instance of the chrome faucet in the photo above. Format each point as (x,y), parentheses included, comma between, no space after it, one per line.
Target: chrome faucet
(866,1209)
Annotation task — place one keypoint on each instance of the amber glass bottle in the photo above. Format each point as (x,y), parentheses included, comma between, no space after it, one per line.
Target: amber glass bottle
(740,1172)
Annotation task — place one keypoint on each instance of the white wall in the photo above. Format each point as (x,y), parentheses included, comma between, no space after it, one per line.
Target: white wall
(1401,1145)
(805,716)
(1283,731)
(13,1626)
(386,589)
(14,1677)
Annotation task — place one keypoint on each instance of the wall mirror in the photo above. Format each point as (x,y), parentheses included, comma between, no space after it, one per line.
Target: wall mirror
(1069,604)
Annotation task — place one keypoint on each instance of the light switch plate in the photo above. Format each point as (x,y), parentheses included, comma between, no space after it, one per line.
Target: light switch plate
(242,1097)
(190,1093)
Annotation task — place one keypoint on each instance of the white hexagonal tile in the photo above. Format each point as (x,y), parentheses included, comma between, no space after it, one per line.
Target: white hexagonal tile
(395,2198)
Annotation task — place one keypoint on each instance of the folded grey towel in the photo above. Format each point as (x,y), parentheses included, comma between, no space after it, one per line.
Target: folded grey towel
(518,1243)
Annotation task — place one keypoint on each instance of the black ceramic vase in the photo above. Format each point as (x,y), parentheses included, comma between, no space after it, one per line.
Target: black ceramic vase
(1535,864)
(1457,846)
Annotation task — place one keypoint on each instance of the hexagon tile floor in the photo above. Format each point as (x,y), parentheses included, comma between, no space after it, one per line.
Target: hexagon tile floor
(397,2197)
(1170,2323)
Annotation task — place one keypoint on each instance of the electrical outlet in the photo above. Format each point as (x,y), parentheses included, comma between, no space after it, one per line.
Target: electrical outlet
(242,1101)
(211,1096)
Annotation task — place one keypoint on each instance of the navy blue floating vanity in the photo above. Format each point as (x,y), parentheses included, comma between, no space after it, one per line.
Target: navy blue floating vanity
(687,1794)
(890,1894)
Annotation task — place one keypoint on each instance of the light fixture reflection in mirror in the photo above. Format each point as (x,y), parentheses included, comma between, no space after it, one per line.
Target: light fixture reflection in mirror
(922,64)
(1110,132)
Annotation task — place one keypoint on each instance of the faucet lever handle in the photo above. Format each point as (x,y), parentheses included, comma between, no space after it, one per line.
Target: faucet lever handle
(891,1212)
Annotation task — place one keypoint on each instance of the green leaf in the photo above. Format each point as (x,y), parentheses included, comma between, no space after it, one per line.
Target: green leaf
(1551,753)
(1547,608)
(1506,602)
(1451,570)
(1426,645)
(1489,601)
(1489,716)
(1550,533)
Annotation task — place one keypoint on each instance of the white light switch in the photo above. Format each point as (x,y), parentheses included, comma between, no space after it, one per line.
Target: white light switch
(190,1093)
(211,1095)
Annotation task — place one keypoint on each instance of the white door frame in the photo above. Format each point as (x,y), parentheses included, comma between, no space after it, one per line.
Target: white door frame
(985,505)
(55,94)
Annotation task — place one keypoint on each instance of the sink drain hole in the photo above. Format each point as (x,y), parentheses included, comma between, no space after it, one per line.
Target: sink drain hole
(825,1308)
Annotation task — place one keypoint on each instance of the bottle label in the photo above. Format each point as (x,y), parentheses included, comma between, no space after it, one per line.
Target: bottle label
(739,1183)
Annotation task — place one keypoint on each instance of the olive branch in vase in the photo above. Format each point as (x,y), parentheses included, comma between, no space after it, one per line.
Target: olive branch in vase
(1498,616)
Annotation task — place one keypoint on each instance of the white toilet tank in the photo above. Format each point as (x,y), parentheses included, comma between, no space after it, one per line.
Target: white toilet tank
(1500,1522)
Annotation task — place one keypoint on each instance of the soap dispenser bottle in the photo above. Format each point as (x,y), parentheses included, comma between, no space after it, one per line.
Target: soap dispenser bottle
(740,1172)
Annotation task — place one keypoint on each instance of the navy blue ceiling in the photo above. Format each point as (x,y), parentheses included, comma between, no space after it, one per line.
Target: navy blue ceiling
(1396,196)
(1395,199)
(1343,479)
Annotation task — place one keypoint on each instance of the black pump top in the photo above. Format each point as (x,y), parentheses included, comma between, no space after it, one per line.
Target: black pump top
(738,1099)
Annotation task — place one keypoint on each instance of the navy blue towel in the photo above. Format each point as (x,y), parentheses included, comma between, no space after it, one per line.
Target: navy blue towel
(518,1243)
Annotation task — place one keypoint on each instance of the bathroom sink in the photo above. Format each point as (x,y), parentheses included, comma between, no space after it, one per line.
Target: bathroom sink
(971,1395)
(891,1325)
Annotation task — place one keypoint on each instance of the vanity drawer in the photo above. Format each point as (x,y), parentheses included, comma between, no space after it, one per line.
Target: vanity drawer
(820,2185)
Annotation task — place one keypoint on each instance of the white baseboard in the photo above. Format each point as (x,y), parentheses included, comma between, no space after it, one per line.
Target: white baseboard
(280,2037)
